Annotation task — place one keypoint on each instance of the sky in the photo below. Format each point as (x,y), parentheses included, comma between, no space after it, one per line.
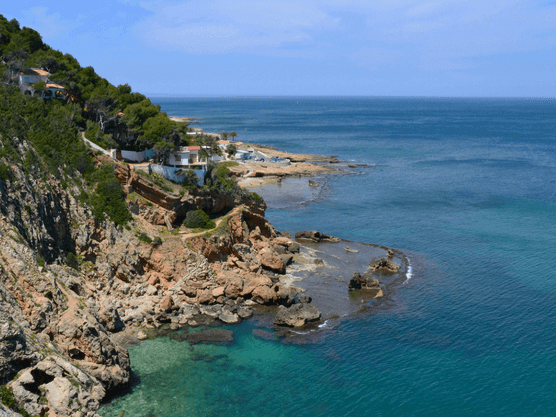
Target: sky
(447,48)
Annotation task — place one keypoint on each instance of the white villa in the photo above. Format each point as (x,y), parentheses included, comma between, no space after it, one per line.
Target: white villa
(186,156)
(27,77)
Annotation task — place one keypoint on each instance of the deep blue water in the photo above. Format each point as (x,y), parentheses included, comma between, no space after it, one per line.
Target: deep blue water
(467,189)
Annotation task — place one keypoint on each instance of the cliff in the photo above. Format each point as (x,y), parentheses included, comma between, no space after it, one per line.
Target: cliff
(73,286)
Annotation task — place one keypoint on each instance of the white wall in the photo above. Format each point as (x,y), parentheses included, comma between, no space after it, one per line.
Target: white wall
(111,153)
(133,156)
(181,158)
(171,173)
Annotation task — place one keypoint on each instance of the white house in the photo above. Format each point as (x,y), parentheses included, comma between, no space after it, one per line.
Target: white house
(185,157)
(27,77)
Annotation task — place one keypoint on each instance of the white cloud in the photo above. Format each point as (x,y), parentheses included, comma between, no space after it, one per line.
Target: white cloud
(221,26)
(437,34)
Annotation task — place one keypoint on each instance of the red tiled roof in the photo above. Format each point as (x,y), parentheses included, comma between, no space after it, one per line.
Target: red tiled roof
(52,85)
(193,148)
(34,71)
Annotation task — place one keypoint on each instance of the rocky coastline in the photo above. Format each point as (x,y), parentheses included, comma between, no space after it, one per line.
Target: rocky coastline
(65,329)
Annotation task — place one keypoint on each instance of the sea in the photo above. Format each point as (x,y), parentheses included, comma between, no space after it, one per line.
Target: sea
(465,188)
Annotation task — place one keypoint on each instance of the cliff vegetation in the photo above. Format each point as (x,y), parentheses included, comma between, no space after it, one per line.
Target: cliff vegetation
(93,254)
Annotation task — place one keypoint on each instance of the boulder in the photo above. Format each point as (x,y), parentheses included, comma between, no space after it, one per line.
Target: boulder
(315,236)
(151,290)
(217,292)
(364,282)
(253,281)
(294,247)
(228,317)
(166,303)
(383,266)
(204,297)
(263,295)
(285,295)
(279,249)
(212,311)
(282,241)
(296,315)
(272,261)
(303,299)
(287,258)
(61,395)
(234,286)
(242,251)
(245,312)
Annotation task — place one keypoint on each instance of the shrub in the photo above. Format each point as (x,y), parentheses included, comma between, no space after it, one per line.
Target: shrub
(4,172)
(6,396)
(198,219)
(108,196)
(157,241)
(256,197)
(72,260)
(40,260)
(24,413)
(144,238)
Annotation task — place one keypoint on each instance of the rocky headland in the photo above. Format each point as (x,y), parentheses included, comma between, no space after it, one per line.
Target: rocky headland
(66,320)
(76,291)
(255,174)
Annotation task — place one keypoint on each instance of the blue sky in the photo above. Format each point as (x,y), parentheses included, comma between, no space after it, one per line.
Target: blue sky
(307,47)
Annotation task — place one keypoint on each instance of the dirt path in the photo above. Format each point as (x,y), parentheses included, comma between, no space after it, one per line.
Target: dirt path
(186,235)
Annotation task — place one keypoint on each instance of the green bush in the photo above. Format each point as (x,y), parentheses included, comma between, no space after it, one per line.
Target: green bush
(72,260)
(256,197)
(40,260)
(108,196)
(144,238)
(198,219)
(24,413)
(6,396)
(4,172)
(218,178)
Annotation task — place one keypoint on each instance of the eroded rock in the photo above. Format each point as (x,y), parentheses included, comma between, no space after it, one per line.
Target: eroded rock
(296,315)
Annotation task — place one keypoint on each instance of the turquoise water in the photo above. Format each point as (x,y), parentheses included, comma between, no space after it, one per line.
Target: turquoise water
(467,189)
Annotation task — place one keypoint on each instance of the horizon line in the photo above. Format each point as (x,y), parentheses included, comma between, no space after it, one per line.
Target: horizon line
(275,96)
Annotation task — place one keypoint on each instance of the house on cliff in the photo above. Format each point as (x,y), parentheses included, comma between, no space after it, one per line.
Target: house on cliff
(27,79)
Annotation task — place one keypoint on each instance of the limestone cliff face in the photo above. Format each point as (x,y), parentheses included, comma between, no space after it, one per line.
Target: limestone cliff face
(61,327)
(50,332)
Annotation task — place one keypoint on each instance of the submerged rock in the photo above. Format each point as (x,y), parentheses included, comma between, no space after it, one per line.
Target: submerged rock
(211,336)
(296,315)
(263,334)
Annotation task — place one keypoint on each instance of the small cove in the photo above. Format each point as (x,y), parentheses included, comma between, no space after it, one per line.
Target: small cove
(464,197)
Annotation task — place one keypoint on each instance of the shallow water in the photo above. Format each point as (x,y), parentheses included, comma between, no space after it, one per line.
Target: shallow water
(466,189)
